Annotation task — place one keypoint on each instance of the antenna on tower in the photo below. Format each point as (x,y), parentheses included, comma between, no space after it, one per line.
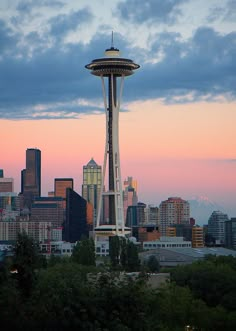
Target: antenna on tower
(112,40)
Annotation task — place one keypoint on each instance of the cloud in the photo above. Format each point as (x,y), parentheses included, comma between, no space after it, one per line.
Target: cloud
(224,12)
(154,11)
(38,72)
(54,77)
(231,11)
(8,39)
(203,65)
(27,6)
(60,25)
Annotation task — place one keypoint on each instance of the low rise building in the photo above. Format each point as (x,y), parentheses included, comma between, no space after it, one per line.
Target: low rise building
(173,256)
(39,231)
(166,242)
(60,248)
(197,237)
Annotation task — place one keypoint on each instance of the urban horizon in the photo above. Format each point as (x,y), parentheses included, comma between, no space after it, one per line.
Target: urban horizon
(200,207)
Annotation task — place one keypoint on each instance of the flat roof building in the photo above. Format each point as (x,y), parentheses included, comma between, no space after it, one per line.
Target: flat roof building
(6,185)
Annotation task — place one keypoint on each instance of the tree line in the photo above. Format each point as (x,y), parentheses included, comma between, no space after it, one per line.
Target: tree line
(75,293)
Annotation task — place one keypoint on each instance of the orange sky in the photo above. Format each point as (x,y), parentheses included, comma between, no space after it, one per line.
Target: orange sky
(182,150)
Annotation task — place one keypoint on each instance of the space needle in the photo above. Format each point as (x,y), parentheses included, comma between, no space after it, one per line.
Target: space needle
(112,69)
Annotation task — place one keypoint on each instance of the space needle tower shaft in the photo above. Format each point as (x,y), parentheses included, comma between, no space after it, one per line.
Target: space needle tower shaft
(112,70)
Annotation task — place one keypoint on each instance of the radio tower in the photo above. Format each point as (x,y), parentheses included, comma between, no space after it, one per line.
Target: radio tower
(112,69)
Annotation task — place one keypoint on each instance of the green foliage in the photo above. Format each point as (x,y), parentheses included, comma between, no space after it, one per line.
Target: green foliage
(84,252)
(26,261)
(11,311)
(152,264)
(68,295)
(114,250)
(212,280)
(55,259)
(123,253)
(133,262)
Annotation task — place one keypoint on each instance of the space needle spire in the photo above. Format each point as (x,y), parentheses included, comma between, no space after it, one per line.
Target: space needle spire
(112,69)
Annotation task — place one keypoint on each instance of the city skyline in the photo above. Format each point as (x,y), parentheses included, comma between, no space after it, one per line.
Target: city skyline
(177,135)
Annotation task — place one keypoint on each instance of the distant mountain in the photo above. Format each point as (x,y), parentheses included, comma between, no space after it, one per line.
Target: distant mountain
(201,209)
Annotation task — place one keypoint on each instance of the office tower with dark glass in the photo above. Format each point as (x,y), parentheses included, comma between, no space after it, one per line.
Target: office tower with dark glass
(31,176)
(75,226)
(113,68)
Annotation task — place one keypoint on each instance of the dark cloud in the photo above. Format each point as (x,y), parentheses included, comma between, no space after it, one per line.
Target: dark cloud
(62,24)
(154,11)
(202,66)
(52,79)
(8,39)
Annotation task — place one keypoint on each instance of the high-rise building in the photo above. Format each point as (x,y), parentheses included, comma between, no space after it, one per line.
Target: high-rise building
(6,185)
(91,187)
(75,225)
(216,226)
(130,182)
(31,176)
(136,215)
(230,233)
(114,69)
(1,173)
(173,211)
(130,197)
(60,187)
(151,215)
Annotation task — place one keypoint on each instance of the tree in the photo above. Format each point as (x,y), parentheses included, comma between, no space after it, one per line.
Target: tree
(114,250)
(212,280)
(84,252)
(25,262)
(153,264)
(123,253)
(133,262)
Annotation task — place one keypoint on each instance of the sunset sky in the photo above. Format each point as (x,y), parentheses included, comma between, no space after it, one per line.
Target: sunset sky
(178,116)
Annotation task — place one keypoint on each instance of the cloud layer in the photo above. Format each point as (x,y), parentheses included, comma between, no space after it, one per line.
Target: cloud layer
(43,73)
(152,11)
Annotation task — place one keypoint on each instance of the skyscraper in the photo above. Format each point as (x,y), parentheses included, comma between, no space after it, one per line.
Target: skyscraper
(216,226)
(173,211)
(130,197)
(60,187)
(31,176)
(92,180)
(230,233)
(115,69)
(75,225)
